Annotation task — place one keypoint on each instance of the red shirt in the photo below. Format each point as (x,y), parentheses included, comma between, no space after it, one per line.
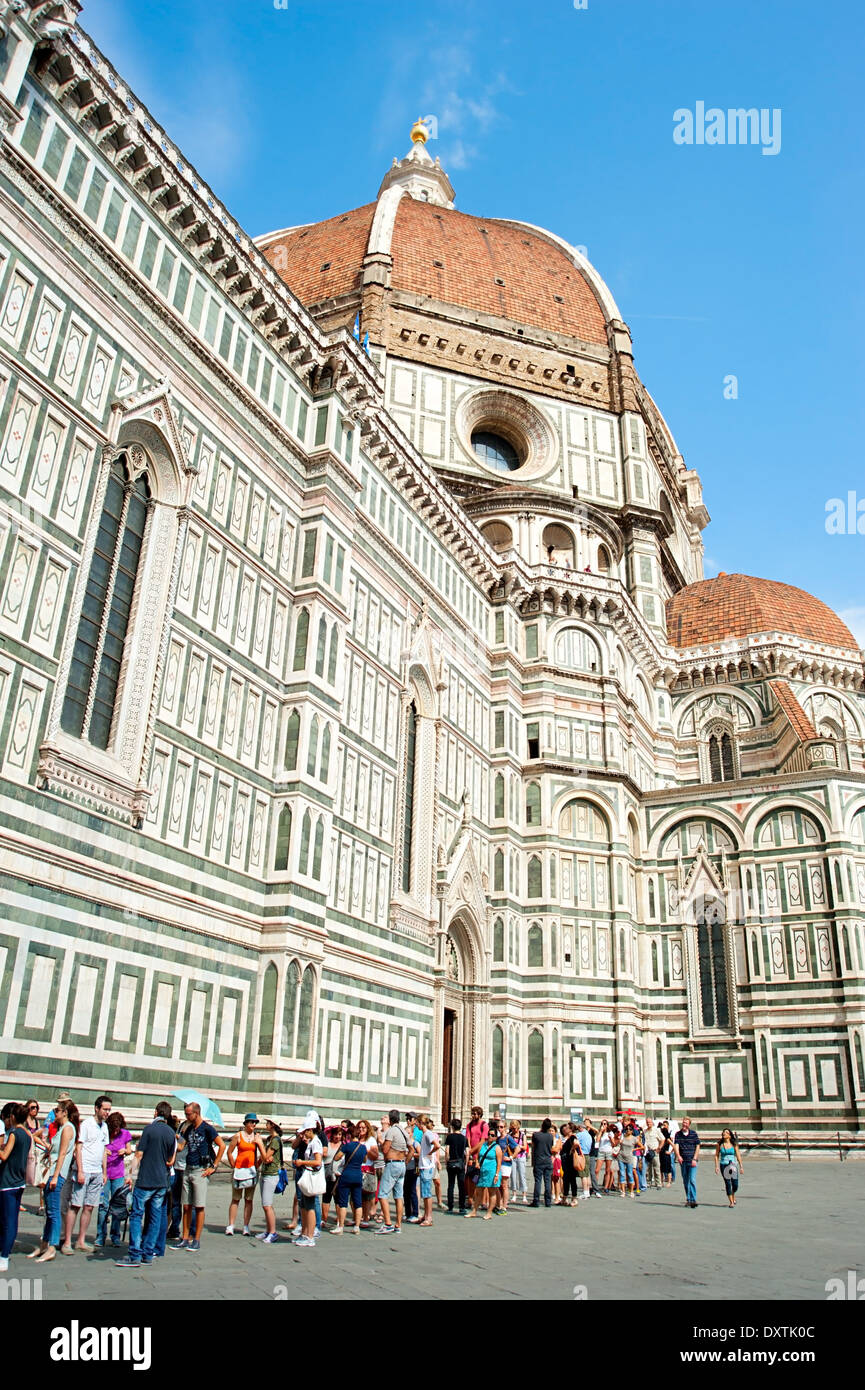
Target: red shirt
(476,1132)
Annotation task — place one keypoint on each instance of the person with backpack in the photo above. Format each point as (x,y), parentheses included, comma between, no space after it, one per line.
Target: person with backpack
(270,1169)
(489,1173)
(352,1154)
(202,1160)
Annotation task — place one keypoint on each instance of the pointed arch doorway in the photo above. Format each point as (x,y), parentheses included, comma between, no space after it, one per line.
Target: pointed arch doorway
(462,1009)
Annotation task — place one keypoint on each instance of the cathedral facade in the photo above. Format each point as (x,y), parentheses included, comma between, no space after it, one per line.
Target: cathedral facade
(368,731)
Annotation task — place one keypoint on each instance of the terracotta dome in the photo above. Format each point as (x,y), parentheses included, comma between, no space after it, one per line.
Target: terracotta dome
(738,605)
(503,269)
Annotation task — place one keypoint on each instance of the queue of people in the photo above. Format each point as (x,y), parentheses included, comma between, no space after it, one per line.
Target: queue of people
(345,1178)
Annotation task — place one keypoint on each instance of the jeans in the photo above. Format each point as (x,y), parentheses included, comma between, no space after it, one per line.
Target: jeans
(626,1173)
(458,1176)
(111,1186)
(51,1229)
(569,1173)
(176,1201)
(10,1206)
(547,1175)
(146,1201)
(410,1193)
(518,1174)
(641,1174)
(159,1222)
(689,1178)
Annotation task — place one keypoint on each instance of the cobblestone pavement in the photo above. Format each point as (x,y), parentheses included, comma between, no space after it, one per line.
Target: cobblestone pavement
(795,1226)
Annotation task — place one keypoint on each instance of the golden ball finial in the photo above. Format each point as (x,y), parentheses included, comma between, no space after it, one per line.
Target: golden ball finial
(419,132)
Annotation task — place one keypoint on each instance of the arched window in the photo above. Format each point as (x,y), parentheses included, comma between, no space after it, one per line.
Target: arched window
(604,564)
(334,653)
(534,877)
(409,796)
(301,638)
(536,945)
(659,1065)
(283,839)
(626,1061)
(577,651)
(312,755)
(306,832)
(498,1058)
(712,963)
(536,1061)
(555,1060)
(558,546)
(321,648)
(268,1010)
(292,736)
(495,451)
(721,765)
(499,797)
(317,850)
(655,962)
(623,952)
(304,1014)
(499,535)
(533,804)
(498,872)
(97,658)
(289,1009)
(324,770)
(498,939)
(554,947)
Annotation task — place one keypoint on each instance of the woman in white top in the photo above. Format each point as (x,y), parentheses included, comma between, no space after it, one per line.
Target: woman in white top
(429,1147)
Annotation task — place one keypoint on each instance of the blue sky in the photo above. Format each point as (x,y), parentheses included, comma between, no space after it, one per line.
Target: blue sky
(724,261)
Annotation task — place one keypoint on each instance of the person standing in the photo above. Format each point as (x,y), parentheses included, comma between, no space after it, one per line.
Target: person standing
(518,1166)
(62,1148)
(652,1140)
(544,1148)
(82,1190)
(394,1147)
(151,1165)
(686,1146)
(272,1143)
(456,1146)
(477,1130)
(13,1177)
(429,1147)
(569,1166)
(489,1173)
(309,1155)
(352,1153)
(245,1154)
(202,1161)
(665,1154)
(119,1145)
(728,1162)
(627,1176)
(584,1144)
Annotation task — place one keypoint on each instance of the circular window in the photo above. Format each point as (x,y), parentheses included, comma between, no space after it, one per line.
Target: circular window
(505,433)
(495,451)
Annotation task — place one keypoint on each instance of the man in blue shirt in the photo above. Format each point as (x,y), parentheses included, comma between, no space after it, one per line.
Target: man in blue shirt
(686,1147)
(153,1157)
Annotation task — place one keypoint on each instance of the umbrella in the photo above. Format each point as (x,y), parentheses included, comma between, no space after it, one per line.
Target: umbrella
(209,1109)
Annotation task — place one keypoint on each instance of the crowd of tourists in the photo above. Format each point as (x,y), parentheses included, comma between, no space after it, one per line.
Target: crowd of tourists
(343,1178)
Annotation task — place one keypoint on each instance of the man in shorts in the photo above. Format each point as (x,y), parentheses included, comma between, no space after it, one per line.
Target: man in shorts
(395,1146)
(198,1138)
(82,1190)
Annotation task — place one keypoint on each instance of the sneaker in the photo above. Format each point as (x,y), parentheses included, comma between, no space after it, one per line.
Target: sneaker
(179,1245)
(229,1230)
(386,1230)
(317,1232)
(147,1259)
(128,1263)
(340,1231)
(194,1246)
(4,1263)
(247,1231)
(355,1230)
(262,1235)
(305,1241)
(270,1239)
(412,1220)
(98,1244)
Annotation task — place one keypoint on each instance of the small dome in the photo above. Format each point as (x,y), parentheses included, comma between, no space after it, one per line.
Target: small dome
(738,605)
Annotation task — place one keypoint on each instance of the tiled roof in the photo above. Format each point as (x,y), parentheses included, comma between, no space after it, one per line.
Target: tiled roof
(458,259)
(797,717)
(450,257)
(737,605)
(324,260)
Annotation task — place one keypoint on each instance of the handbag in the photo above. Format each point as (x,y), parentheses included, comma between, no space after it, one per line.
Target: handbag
(730,1172)
(243,1177)
(281,1181)
(311,1182)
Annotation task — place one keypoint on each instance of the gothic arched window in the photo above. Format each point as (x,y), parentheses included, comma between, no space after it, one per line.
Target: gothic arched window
(332,657)
(536,1061)
(301,638)
(289,1009)
(533,804)
(498,1058)
(499,797)
(292,735)
(721,762)
(536,945)
(712,963)
(97,659)
(498,939)
(321,648)
(534,877)
(498,872)
(324,769)
(268,1010)
(283,840)
(318,847)
(304,1014)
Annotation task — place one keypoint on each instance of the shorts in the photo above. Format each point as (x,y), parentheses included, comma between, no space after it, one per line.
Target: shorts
(349,1189)
(392,1182)
(426,1183)
(305,1203)
(268,1189)
(247,1189)
(195,1188)
(83,1194)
